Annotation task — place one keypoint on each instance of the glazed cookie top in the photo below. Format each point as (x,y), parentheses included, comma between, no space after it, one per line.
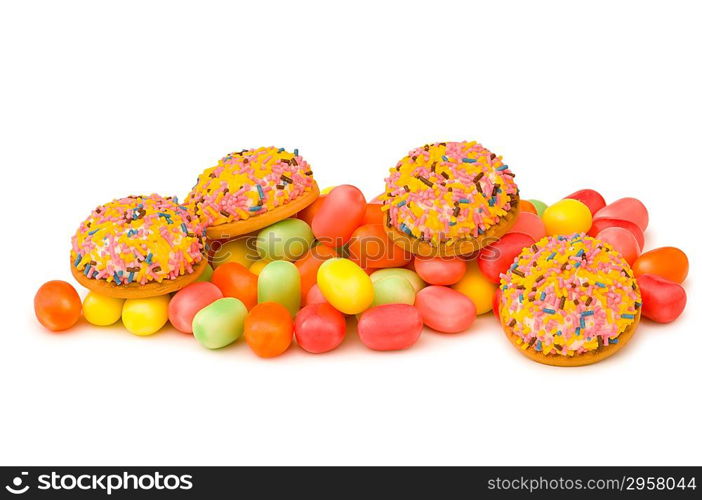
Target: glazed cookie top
(448,191)
(137,239)
(568,295)
(249,183)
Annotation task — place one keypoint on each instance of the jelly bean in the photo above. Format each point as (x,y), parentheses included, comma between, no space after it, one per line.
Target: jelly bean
(540,207)
(567,217)
(309,264)
(345,285)
(279,282)
(57,305)
(496,299)
(371,247)
(307,214)
(408,274)
(319,328)
(145,316)
(100,310)
(599,224)
(629,209)
(325,191)
(315,296)
(529,224)
(220,323)
(390,327)
(667,262)
(392,290)
(590,198)
(623,242)
(495,259)
(663,300)
(268,329)
(374,214)
(187,302)
(527,206)
(206,274)
(234,280)
(287,239)
(342,212)
(444,309)
(258,266)
(477,287)
(440,270)
(241,250)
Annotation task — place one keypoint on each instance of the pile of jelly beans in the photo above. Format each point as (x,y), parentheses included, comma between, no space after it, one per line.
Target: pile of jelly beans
(300,279)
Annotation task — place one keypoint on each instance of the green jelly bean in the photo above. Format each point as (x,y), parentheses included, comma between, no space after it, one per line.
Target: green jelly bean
(414,279)
(220,323)
(393,290)
(279,282)
(288,239)
(206,274)
(539,205)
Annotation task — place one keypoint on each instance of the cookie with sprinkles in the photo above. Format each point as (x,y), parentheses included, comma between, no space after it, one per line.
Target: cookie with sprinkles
(569,301)
(252,189)
(449,198)
(138,246)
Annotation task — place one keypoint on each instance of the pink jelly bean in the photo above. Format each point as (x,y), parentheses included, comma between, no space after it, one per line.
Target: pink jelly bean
(529,224)
(623,242)
(629,209)
(319,328)
(340,214)
(444,309)
(390,327)
(440,270)
(663,300)
(187,303)
(495,259)
(599,224)
(591,198)
(315,296)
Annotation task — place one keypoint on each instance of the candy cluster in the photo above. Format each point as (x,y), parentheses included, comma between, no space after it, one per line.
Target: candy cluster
(448,191)
(568,295)
(249,183)
(138,239)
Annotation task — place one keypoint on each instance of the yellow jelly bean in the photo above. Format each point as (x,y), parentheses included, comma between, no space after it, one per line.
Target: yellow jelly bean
(326,190)
(566,217)
(241,250)
(145,316)
(345,285)
(477,288)
(100,310)
(258,266)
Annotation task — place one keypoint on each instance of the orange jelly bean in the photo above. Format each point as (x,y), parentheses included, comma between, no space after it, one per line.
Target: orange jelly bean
(308,213)
(268,329)
(57,305)
(234,280)
(370,247)
(527,206)
(309,264)
(374,214)
(667,262)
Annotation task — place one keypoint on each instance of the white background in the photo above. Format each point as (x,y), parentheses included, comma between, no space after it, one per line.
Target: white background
(102,100)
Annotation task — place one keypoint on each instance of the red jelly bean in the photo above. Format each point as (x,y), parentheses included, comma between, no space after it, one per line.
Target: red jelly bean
(667,262)
(370,247)
(234,280)
(590,198)
(444,309)
(663,300)
(440,270)
(187,303)
(496,298)
(623,242)
(390,327)
(629,209)
(529,224)
(495,259)
(600,224)
(319,328)
(342,212)
(315,296)
(309,264)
